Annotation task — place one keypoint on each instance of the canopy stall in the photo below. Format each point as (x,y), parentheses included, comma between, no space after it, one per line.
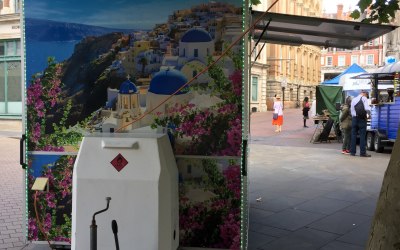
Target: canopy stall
(354,68)
(327,97)
(385,80)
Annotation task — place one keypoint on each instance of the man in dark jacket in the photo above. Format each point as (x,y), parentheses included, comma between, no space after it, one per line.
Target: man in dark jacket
(359,124)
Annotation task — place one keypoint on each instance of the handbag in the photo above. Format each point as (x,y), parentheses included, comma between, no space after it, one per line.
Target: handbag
(275,116)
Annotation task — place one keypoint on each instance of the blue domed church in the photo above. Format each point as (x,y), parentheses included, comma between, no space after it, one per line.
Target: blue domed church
(128,101)
(195,46)
(165,83)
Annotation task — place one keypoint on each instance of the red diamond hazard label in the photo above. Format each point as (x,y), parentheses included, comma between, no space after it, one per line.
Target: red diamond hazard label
(119,162)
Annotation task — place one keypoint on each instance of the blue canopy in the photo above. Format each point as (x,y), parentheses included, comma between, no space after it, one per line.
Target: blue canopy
(352,69)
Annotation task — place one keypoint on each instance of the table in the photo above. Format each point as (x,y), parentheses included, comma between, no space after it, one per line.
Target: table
(321,120)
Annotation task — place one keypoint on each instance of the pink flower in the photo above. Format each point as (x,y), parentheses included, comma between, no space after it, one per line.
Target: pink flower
(232,178)
(32,229)
(236,79)
(36,132)
(50,200)
(230,230)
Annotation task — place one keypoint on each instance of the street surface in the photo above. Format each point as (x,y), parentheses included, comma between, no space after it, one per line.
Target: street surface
(308,196)
(11,197)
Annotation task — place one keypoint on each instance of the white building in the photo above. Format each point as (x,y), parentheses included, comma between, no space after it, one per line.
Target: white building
(195,46)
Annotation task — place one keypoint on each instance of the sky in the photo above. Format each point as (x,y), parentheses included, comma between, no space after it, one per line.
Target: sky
(331,5)
(114,14)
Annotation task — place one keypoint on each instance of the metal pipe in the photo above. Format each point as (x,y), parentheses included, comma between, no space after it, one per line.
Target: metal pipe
(93,226)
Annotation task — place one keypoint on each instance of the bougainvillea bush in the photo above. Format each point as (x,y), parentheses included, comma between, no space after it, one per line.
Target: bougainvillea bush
(216,130)
(43,94)
(53,206)
(214,222)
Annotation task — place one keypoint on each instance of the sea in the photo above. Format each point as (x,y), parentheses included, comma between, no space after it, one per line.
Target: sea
(38,52)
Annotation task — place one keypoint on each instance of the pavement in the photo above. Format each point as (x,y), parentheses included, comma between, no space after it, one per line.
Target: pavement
(301,195)
(11,195)
(306,196)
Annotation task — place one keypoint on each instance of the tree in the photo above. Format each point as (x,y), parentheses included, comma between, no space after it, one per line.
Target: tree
(385,228)
(380,11)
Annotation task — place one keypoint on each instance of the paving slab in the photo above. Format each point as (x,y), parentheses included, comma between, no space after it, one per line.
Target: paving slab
(258,214)
(340,222)
(271,231)
(347,195)
(303,239)
(323,205)
(365,207)
(291,219)
(358,236)
(279,204)
(337,245)
(307,193)
(258,239)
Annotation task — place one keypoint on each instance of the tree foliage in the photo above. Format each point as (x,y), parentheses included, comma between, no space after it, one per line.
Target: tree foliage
(378,11)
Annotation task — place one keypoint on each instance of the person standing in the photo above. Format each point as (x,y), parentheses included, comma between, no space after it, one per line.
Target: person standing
(278,110)
(306,108)
(345,125)
(359,123)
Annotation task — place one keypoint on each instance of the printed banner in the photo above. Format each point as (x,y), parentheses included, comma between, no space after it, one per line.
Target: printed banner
(96,66)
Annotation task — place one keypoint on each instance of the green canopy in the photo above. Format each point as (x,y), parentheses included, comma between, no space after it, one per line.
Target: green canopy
(327,97)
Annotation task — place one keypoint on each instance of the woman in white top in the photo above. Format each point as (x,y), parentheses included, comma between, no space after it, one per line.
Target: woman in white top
(278,109)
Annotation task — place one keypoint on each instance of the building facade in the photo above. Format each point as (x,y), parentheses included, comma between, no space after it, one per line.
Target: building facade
(292,72)
(391,44)
(334,60)
(10,59)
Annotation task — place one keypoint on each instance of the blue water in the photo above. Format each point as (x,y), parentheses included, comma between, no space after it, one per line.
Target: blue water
(37,53)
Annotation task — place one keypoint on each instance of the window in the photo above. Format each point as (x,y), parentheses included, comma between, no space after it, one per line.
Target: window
(13,81)
(354,59)
(2,49)
(329,61)
(341,61)
(370,60)
(10,77)
(196,53)
(256,52)
(254,88)
(10,48)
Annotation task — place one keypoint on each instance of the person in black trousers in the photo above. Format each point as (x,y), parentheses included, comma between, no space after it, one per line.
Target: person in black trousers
(306,108)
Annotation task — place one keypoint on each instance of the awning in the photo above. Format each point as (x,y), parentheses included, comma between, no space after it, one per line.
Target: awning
(379,76)
(298,30)
(354,68)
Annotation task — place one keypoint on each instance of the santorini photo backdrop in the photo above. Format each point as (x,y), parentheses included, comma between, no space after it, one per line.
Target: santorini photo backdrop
(95,66)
